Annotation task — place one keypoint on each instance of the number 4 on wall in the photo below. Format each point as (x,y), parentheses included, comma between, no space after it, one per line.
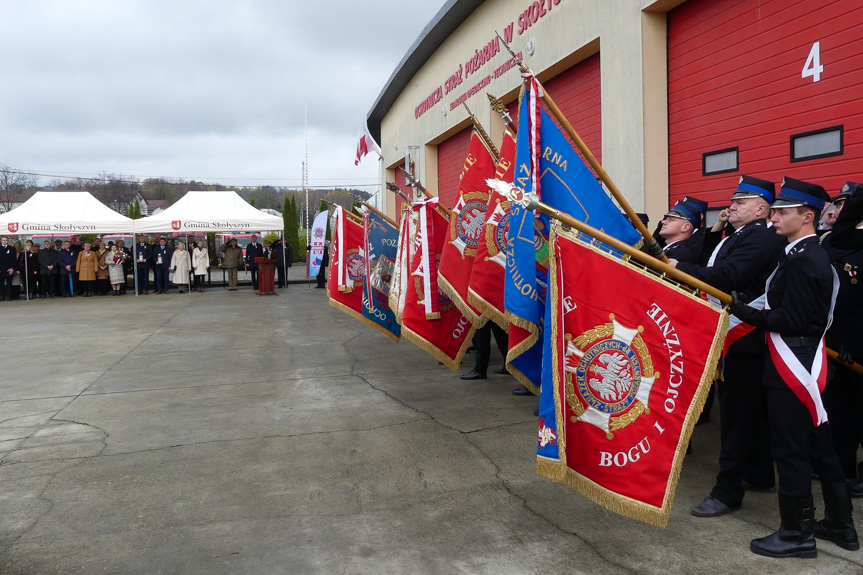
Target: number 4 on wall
(813,66)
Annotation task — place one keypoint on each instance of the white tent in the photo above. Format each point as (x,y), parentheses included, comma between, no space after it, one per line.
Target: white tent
(63,213)
(209,212)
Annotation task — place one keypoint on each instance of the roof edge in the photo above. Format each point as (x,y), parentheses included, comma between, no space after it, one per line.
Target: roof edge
(446,21)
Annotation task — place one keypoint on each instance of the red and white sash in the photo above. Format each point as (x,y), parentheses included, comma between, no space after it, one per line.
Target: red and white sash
(427,268)
(807,384)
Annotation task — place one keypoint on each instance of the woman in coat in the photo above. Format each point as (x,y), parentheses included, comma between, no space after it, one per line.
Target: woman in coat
(114,260)
(86,268)
(200,263)
(181,264)
(101,268)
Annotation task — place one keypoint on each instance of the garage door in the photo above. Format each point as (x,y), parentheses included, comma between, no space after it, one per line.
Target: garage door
(451,154)
(763,87)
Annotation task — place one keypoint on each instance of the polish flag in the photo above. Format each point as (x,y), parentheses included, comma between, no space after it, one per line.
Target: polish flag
(365,144)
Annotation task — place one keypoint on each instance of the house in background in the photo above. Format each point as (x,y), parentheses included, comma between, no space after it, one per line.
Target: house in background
(150,207)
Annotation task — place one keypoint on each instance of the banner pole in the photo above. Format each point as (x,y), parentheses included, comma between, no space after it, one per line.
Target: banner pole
(651,243)
(483,134)
(413,182)
(531,202)
(381,215)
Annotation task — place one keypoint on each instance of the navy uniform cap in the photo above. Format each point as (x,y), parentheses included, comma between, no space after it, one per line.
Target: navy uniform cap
(696,205)
(643,217)
(684,211)
(794,193)
(749,187)
(846,191)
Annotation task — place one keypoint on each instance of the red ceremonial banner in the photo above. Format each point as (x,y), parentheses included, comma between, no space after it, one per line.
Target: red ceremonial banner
(447,337)
(347,267)
(485,290)
(466,225)
(633,359)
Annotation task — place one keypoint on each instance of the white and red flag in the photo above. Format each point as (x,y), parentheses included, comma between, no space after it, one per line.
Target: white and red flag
(365,144)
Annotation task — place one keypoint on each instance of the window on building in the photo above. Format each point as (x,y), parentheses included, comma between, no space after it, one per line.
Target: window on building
(817,144)
(720,161)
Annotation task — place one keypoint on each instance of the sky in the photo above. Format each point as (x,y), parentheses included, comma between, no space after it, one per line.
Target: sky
(210,90)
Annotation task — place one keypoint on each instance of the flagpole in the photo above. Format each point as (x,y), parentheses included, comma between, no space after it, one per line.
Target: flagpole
(482,132)
(381,215)
(531,202)
(499,107)
(413,182)
(651,243)
(351,215)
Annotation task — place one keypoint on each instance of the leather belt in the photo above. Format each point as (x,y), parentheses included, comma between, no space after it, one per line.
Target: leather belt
(802,341)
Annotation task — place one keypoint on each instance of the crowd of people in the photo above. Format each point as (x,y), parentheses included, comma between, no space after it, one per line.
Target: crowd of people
(65,269)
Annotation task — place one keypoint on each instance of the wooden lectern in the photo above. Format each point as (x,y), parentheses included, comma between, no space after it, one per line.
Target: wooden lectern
(266,276)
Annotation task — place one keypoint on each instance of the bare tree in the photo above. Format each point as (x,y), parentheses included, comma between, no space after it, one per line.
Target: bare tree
(114,191)
(13,186)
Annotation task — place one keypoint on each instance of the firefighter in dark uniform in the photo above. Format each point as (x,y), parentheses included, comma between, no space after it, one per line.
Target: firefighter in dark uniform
(742,262)
(681,230)
(800,296)
(843,396)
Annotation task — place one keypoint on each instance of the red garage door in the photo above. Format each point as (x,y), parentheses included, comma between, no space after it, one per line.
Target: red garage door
(766,88)
(451,154)
(577,92)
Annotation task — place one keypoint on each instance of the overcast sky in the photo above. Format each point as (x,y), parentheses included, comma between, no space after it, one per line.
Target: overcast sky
(211,90)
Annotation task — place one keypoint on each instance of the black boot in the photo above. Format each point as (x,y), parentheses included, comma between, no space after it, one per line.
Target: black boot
(795,536)
(838,523)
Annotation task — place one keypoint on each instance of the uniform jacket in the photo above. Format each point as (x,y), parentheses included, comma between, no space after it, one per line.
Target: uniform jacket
(233,257)
(279,255)
(743,263)
(8,257)
(163,254)
(48,258)
(31,267)
(66,257)
(847,260)
(86,266)
(254,251)
(799,295)
(688,250)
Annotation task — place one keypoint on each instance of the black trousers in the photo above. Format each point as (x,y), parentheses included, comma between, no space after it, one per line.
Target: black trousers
(798,446)
(280,276)
(65,284)
(843,400)
(254,272)
(49,284)
(482,343)
(744,433)
(5,284)
(322,277)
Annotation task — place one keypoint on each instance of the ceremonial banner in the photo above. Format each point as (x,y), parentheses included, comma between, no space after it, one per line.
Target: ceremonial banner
(485,290)
(430,319)
(546,165)
(633,359)
(318,239)
(380,239)
(347,266)
(466,225)
(404,256)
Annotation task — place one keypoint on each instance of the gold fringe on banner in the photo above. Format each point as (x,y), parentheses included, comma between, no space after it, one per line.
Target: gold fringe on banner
(436,353)
(351,312)
(463,307)
(487,310)
(620,504)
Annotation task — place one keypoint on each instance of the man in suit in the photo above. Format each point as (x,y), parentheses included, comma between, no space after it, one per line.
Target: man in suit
(322,272)
(143,255)
(254,250)
(742,262)
(127,263)
(8,263)
(284,256)
(162,260)
(48,270)
(843,396)
(800,296)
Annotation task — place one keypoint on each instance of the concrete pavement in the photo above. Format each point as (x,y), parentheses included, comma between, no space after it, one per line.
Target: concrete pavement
(232,433)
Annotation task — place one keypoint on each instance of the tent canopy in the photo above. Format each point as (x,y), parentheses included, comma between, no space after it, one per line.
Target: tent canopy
(209,212)
(63,213)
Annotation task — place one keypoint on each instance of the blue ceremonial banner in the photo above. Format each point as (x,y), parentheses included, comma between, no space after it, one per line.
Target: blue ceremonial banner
(381,242)
(547,164)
